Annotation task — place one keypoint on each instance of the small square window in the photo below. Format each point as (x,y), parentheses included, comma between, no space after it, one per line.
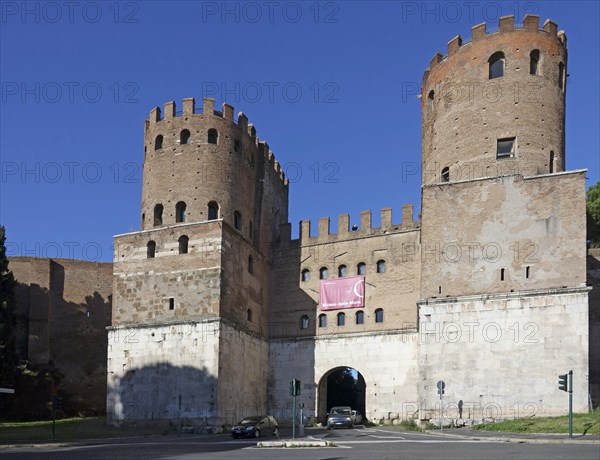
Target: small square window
(506,147)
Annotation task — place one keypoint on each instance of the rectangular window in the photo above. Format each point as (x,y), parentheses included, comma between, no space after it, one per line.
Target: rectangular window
(506,147)
(171,303)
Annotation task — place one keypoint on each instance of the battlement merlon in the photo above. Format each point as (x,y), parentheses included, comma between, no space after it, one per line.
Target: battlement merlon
(365,229)
(506,24)
(189,108)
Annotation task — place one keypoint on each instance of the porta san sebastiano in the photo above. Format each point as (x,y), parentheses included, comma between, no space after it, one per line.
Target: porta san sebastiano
(215,307)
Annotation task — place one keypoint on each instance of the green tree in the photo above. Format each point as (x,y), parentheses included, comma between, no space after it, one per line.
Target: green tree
(8,355)
(593,215)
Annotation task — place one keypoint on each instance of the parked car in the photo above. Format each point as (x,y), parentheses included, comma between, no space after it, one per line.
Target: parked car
(340,416)
(255,427)
(356,417)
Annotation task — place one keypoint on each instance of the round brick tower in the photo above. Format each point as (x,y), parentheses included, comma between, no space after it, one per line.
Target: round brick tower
(496,105)
(205,166)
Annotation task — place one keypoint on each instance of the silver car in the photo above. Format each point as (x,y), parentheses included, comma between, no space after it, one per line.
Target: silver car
(340,416)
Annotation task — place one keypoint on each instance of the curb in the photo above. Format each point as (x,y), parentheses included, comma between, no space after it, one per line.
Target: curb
(514,440)
(295,443)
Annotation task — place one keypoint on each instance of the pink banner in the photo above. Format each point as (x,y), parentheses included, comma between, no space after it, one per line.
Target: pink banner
(348,292)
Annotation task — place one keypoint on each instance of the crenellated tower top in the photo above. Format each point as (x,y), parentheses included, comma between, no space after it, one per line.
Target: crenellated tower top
(204,165)
(495,104)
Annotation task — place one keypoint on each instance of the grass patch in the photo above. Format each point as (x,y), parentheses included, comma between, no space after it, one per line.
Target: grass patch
(582,423)
(70,429)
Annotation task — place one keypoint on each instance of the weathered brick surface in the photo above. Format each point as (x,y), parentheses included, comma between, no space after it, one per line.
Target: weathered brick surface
(63,308)
(469,112)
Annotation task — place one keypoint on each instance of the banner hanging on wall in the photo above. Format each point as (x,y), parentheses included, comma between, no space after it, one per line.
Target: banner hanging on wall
(347,292)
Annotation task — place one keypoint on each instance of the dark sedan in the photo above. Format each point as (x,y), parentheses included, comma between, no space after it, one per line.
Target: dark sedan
(255,427)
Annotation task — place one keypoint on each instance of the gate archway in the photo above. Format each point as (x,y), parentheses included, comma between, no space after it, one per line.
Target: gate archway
(341,386)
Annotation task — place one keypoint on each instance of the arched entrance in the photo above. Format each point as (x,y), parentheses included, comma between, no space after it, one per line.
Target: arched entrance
(341,386)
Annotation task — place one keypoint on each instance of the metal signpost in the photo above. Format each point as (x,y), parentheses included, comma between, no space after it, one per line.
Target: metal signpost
(565,383)
(294,391)
(440,386)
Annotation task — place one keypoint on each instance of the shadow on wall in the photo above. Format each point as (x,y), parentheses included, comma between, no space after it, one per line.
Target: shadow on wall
(62,348)
(183,397)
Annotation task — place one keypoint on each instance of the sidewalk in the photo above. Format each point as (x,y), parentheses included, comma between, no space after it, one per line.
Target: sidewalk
(505,436)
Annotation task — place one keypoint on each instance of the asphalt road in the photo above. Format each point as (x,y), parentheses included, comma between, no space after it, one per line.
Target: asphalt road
(359,444)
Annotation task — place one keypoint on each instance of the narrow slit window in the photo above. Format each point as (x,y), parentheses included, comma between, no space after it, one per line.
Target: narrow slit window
(237,220)
(180,212)
(323,273)
(360,317)
(158,215)
(171,303)
(527,272)
(446,174)
(158,142)
(561,76)
(304,322)
(496,65)
(551,162)
(502,274)
(534,60)
(249,315)
(213,211)
(213,136)
(305,274)
(151,249)
(322,320)
(250,264)
(184,137)
(183,244)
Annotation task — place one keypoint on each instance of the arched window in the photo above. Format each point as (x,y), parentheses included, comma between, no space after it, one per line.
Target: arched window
(180,212)
(184,137)
(213,136)
(237,220)
(158,142)
(379,315)
(158,213)
(534,59)
(381,266)
(213,211)
(304,322)
(151,249)
(361,269)
(323,320)
(250,264)
(446,174)
(496,62)
(561,75)
(342,271)
(430,97)
(323,273)
(360,317)
(249,315)
(305,274)
(341,319)
(183,244)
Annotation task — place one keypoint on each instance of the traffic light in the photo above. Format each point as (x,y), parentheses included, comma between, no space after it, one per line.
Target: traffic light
(563,380)
(295,387)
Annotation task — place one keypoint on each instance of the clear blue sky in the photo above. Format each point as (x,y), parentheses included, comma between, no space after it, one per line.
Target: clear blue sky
(329,85)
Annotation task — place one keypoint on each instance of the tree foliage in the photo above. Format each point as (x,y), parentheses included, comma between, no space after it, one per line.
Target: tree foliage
(8,356)
(593,215)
